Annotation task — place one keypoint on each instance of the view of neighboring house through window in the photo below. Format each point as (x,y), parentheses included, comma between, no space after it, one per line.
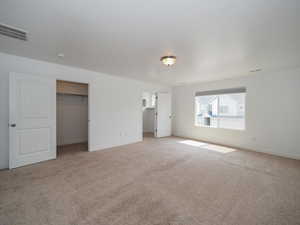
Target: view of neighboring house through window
(221,108)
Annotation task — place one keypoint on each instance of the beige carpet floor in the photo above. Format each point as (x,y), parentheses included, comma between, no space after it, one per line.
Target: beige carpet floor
(168,181)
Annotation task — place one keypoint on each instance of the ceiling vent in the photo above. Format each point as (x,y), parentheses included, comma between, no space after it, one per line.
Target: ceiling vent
(13,32)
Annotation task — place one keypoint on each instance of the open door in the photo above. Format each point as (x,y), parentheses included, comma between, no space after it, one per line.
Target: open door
(163,115)
(32,119)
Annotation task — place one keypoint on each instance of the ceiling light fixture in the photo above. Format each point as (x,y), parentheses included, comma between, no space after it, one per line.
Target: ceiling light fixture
(168,60)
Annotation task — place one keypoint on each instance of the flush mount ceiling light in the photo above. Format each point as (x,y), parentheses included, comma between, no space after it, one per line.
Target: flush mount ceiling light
(168,60)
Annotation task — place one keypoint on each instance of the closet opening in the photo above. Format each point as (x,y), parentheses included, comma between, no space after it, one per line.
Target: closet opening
(71,117)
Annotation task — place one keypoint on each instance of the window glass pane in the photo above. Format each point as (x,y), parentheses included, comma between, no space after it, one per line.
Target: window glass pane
(232,111)
(221,111)
(207,110)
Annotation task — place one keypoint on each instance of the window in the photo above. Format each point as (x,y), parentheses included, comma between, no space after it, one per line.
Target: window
(221,108)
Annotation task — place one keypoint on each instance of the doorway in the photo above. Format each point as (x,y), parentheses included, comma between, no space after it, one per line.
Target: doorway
(71,117)
(157,114)
(148,108)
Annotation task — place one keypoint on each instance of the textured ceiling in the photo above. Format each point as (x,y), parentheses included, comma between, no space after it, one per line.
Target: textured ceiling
(212,39)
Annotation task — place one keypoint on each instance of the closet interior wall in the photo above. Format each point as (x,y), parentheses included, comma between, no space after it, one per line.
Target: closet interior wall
(72,113)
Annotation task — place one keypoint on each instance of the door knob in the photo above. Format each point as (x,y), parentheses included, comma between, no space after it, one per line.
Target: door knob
(13,125)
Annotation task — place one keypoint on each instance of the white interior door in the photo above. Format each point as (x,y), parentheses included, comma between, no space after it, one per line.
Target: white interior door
(163,115)
(32,125)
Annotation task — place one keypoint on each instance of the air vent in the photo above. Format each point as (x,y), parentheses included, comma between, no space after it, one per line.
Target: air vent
(13,32)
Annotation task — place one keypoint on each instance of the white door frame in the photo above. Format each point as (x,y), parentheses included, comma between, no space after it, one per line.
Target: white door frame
(142,115)
(155,112)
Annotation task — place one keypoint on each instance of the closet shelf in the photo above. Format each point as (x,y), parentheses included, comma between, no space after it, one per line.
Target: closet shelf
(71,88)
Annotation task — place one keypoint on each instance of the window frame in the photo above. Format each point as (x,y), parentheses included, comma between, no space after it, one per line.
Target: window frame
(218,93)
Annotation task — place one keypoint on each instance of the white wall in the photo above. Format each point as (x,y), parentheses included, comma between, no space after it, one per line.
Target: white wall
(272,113)
(116,111)
(71,119)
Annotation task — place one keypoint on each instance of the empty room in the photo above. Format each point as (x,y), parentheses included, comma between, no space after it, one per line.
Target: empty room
(129,112)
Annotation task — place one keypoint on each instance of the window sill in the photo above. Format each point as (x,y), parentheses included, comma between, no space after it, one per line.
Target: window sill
(230,129)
